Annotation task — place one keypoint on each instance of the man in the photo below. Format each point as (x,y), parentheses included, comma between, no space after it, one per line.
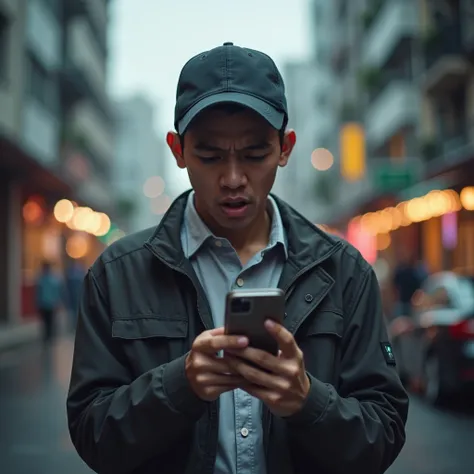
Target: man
(149,392)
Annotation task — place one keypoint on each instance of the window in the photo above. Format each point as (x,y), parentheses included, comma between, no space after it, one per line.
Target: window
(41,86)
(4,45)
(53,6)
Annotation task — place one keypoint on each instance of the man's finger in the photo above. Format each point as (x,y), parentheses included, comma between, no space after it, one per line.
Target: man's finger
(213,344)
(256,375)
(216,366)
(217,331)
(221,380)
(286,341)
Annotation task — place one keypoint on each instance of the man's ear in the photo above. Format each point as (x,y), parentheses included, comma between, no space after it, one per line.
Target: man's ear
(289,141)
(174,144)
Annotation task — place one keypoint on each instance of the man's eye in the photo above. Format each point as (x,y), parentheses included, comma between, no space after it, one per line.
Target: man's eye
(209,159)
(256,158)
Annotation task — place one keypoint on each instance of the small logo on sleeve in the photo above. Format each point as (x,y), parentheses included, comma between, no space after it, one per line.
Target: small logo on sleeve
(388,354)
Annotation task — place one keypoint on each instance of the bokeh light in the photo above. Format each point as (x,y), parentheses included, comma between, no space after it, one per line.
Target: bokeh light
(154,187)
(160,204)
(63,210)
(77,245)
(467,198)
(322,159)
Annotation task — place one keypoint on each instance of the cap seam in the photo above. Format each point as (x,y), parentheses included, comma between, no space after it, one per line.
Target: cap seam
(227,67)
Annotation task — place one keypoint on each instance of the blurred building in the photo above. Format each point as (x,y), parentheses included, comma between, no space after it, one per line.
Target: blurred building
(56,141)
(140,169)
(311,116)
(404,97)
(299,77)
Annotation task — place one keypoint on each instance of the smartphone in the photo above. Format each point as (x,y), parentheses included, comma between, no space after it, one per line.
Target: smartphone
(246,312)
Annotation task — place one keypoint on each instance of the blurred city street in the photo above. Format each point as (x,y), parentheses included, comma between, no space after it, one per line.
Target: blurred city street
(380,95)
(34,437)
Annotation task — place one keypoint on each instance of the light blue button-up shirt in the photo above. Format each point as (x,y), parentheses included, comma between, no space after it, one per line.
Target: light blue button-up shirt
(218,267)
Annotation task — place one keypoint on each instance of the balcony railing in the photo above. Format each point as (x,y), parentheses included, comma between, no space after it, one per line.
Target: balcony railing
(74,85)
(77,8)
(447,150)
(75,142)
(381,79)
(371,12)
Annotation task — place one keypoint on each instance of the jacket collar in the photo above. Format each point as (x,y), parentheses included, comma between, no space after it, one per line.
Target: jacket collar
(195,233)
(307,244)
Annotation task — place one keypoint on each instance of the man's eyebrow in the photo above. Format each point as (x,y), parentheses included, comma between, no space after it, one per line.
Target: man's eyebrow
(207,147)
(258,146)
(255,146)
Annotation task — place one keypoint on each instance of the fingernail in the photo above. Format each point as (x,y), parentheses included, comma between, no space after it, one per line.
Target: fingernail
(242,340)
(270,324)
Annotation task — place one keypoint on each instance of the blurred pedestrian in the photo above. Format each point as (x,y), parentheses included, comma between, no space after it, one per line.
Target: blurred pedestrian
(409,275)
(149,392)
(73,277)
(49,297)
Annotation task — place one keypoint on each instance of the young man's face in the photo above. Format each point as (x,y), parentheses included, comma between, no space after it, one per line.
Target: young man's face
(232,160)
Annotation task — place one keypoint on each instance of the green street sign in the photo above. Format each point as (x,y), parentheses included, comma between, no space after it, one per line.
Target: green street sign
(392,177)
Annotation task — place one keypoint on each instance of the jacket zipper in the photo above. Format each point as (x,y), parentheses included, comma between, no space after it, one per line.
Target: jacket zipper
(267,418)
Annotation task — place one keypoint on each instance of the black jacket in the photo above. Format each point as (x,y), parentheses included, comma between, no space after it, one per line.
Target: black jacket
(130,406)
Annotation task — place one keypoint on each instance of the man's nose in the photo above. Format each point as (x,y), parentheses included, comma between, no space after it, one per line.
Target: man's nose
(233,176)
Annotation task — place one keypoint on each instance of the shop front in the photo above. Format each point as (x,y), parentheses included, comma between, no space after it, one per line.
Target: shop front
(436,228)
(58,233)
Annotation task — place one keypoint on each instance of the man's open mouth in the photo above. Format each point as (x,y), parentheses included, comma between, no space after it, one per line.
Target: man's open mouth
(235,204)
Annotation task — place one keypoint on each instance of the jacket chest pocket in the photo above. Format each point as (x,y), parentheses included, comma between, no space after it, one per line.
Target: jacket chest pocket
(151,341)
(320,340)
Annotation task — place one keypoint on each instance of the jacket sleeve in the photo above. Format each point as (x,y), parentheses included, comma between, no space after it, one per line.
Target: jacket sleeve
(116,423)
(360,427)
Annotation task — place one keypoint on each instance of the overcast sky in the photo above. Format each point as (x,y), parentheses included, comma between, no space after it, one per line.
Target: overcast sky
(152,39)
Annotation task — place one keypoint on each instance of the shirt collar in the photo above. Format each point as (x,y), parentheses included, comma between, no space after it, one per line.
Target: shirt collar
(195,232)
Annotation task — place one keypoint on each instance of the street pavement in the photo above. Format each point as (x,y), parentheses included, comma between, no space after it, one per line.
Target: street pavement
(34,437)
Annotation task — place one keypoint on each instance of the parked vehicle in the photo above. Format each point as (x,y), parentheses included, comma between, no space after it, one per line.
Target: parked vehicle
(435,345)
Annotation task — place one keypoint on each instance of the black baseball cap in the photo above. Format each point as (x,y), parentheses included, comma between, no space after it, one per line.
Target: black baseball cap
(233,74)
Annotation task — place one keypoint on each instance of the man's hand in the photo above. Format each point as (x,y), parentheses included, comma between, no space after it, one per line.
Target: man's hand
(208,374)
(283,384)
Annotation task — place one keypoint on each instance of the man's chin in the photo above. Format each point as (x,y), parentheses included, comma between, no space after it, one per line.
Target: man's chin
(231,220)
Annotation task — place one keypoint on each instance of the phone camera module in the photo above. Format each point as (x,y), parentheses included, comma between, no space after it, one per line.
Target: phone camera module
(240,305)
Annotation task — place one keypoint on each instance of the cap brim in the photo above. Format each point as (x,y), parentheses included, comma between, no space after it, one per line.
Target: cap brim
(274,117)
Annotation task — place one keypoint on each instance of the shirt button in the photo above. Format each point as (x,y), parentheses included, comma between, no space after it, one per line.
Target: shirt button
(244,432)
(240,282)
(218,243)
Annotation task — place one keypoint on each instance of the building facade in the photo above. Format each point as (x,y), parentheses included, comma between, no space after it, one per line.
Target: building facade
(56,142)
(140,178)
(311,116)
(403,72)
